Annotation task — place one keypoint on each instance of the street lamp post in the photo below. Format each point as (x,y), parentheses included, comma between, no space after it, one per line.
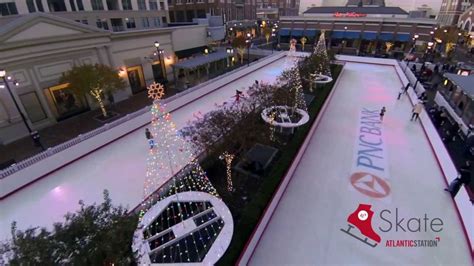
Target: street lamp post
(249,42)
(159,53)
(34,134)
(230,52)
(273,37)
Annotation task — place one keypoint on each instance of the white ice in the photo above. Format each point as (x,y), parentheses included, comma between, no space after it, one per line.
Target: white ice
(305,227)
(118,167)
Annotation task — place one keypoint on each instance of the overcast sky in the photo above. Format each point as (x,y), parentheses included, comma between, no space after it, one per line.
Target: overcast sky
(404,4)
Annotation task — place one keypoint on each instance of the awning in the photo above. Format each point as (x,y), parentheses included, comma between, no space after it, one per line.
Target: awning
(189,52)
(310,33)
(403,37)
(284,32)
(352,35)
(369,36)
(345,35)
(337,34)
(201,60)
(386,36)
(297,32)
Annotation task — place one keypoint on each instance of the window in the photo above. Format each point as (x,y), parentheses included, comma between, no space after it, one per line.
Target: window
(153,5)
(145,23)
(189,1)
(97,5)
(73,6)
(163,19)
(141,5)
(80,5)
(84,21)
(127,4)
(162,5)
(117,24)
(112,5)
(102,24)
(31,6)
(39,4)
(56,6)
(8,9)
(130,23)
(156,22)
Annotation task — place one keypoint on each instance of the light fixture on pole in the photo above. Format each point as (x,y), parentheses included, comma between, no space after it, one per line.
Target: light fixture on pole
(249,42)
(230,52)
(160,53)
(34,134)
(273,38)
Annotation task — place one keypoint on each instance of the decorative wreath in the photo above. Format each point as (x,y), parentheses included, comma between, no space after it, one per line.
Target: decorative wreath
(156,91)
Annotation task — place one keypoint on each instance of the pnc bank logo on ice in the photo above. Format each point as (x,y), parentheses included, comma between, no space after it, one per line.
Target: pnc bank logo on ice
(370,173)
(361,219)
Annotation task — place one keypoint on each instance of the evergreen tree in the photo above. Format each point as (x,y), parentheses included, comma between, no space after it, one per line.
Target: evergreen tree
(321,56)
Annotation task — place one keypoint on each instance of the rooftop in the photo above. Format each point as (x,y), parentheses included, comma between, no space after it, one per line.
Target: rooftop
(364,10)
(464,82)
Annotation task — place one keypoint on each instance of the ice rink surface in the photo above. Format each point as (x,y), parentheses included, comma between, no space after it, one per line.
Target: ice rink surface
(305,226)
(118,167)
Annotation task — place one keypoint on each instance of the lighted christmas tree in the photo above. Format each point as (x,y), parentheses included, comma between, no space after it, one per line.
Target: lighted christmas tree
(320,52)
(299,101)
(171,166)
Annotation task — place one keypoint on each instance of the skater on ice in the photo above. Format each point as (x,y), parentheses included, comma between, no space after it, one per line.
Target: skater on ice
(149,137)
(416,111)
(382,113)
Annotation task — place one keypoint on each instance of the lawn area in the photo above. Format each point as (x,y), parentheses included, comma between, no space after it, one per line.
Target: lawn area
(258,193)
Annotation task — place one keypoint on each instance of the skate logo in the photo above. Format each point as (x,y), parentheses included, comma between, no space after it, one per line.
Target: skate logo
(362,219)
(360,227)
(370,174)
(370,185)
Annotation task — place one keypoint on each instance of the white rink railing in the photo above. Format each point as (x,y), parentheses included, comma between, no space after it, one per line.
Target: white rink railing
(20,174)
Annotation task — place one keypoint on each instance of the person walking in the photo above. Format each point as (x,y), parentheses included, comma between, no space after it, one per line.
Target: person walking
(382,113)
(149,137)
(416,111)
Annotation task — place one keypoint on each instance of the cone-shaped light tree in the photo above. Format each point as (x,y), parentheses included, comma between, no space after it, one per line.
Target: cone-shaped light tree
(171,165)
(321,54)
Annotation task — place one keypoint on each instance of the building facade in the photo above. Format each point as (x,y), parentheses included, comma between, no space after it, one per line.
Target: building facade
(36,49)
(466,23)
(451,10)
(187,10)
(114,15)
(359,30)
(273,9)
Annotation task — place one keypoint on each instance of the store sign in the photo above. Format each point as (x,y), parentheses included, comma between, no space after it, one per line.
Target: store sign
(349,15)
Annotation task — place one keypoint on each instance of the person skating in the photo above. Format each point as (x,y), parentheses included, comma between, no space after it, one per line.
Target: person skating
(464,178)
(149,137)
(382,113)
(416,111)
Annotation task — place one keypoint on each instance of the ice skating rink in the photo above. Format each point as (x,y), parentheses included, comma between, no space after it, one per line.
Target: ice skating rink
(118,167)
(305,226)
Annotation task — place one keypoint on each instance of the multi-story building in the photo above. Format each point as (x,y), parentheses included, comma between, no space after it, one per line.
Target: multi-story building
(187,10)
(466,23)
(114,15)
(359,30)
(451,10)
(365,3)
(273,9)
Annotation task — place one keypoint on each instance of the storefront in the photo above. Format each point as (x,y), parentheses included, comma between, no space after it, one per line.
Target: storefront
(359,30)
(37,49)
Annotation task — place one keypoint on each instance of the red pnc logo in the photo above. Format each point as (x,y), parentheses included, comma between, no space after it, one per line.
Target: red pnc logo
(370,185)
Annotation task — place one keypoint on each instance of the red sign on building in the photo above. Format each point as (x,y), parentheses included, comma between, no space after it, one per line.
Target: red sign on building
(349,15)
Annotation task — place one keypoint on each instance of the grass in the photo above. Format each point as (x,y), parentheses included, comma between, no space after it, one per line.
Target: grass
(250,215)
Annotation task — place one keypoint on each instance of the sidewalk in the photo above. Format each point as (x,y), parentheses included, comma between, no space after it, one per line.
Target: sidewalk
(70,128)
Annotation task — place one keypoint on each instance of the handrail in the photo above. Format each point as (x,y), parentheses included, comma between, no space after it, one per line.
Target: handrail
(82,137)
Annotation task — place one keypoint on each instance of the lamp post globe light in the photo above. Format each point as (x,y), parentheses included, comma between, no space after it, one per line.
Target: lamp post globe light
(159,53)
(249,42)
(230,52)
(6,80)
